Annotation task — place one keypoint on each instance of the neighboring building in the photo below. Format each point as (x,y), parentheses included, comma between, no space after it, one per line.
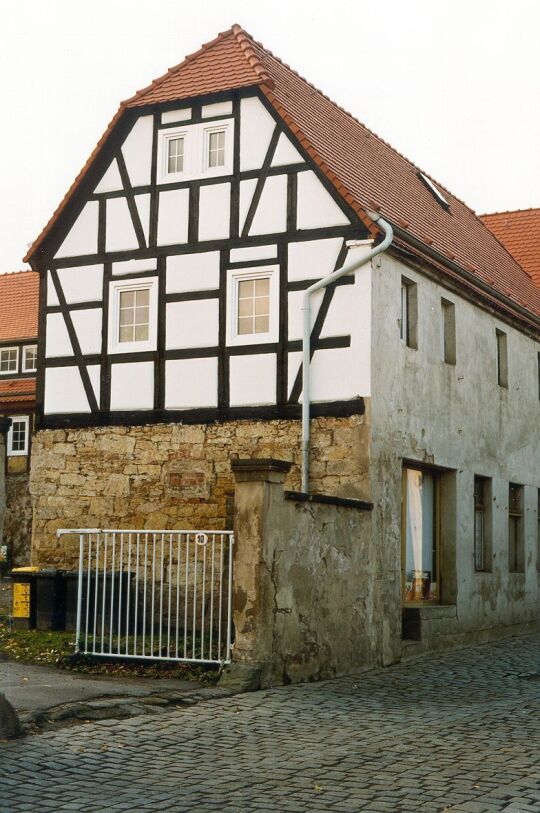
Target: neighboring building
(170,342)
(519,232)
(18,362)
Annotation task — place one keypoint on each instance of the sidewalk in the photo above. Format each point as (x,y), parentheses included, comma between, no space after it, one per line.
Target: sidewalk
(46,697)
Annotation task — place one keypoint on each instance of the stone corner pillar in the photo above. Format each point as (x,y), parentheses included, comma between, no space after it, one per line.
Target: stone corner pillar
(259,497)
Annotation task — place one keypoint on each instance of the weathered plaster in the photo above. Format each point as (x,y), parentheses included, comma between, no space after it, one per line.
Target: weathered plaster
(458,418)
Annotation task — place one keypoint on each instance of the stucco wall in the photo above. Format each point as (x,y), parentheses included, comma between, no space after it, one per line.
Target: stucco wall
(458,418)
(173,475)
(304,583)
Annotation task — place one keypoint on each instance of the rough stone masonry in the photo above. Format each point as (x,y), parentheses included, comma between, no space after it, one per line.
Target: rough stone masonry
(173,475)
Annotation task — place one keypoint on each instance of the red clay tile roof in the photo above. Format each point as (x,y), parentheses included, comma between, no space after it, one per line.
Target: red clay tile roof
(519,232)
(19,295)
(365,170)
(226,62)
(17,391)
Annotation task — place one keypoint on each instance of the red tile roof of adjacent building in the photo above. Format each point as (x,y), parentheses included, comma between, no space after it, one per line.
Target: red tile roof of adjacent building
(17,391)
(19,295)
(365,170)
(519,232)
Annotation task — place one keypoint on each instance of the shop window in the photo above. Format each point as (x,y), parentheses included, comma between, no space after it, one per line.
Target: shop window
(420,536)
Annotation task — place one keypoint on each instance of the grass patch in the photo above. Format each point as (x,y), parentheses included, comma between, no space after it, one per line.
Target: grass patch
(57,649)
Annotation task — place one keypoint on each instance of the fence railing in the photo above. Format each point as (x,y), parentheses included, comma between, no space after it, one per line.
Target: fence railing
(157,595)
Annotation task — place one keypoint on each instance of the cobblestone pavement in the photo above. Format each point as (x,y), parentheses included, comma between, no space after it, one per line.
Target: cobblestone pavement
(458,733)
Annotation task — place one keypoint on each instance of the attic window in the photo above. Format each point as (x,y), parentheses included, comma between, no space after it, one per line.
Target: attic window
(439,197)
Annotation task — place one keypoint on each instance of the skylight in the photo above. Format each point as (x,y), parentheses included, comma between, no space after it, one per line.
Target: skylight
(434,191)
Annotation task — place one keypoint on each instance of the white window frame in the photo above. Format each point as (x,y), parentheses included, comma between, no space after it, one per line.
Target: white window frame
(116,287)
(17,453)
(234,277)
(196,145)
(218,127)
(163,153)
(26,369)
(16,370)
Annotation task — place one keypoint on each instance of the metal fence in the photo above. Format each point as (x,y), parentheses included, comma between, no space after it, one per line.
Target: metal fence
(157,595)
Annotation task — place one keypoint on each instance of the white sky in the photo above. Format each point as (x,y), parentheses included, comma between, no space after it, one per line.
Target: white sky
(452,84)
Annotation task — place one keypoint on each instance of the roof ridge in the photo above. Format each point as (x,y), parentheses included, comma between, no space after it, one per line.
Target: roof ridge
(235,31)
(16,273)
(361,123)
(206,46)
(511,211)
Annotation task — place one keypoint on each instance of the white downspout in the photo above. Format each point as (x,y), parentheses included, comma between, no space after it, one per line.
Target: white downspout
(306,338)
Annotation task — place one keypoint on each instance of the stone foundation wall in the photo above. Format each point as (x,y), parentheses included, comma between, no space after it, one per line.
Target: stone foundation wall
(18,520)
(173,475)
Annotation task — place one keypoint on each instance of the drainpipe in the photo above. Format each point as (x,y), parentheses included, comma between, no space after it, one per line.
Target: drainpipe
(306,339)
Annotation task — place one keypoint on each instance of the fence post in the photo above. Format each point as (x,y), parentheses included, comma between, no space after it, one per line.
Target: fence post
(258,497)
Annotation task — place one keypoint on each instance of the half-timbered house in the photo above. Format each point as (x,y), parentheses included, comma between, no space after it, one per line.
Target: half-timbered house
(18,364)
(171,334)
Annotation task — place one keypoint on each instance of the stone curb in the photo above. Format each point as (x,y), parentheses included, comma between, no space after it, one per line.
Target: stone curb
(115,708)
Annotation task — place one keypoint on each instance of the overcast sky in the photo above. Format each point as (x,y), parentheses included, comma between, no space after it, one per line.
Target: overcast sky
(452,84)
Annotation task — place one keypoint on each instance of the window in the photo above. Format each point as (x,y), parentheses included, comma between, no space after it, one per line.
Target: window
(216,149)
(448,331)
(253,306)
(133,315)
(17,443)
(516,541)
(195,150)
(29,359)
(175,155)
(408,313)
(482,524)
(502,358)
(9,360)
(253,312)
(134,321)
(420,536)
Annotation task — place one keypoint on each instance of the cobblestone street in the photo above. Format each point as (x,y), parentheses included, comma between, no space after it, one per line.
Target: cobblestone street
(458,733)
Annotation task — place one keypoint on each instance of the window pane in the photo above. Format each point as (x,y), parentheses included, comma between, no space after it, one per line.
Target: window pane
(245,307)
(30,358)
(262,324)
(262,287)
(175,157)
(127,299)
(246,288)
(216,149)
(262,306)
(8,360)
(245,325)
(134,315)
(141,333)
(142,297)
